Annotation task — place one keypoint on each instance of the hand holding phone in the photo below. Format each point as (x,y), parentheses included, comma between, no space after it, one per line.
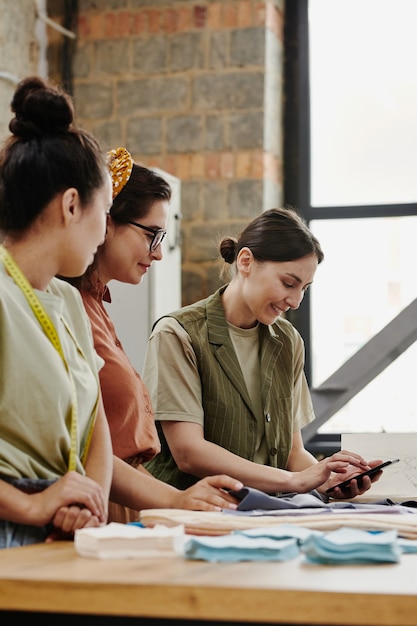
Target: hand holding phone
(371,472)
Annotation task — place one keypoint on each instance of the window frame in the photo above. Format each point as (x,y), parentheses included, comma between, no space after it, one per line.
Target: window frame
(297,192)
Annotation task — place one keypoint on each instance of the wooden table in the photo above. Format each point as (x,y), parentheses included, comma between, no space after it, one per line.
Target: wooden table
(53,578)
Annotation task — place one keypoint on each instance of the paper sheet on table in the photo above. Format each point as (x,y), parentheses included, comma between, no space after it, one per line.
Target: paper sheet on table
(399,481)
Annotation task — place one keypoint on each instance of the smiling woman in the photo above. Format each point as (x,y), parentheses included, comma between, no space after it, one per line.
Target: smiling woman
(135,229)
(226,374)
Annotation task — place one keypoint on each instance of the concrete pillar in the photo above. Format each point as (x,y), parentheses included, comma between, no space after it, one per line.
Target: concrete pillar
(19,51)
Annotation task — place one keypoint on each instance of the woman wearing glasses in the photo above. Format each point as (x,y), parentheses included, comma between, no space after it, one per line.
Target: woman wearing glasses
(135,229)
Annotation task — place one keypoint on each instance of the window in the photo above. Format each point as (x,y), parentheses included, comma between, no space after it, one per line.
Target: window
(354,90)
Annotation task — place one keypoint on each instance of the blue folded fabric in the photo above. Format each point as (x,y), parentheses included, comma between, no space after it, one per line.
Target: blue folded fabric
(286,541)
(272,543)
(352,545)
(281,531)
(239,547)
(407,545)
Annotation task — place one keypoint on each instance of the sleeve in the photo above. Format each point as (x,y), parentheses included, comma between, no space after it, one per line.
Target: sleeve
(303,405)
(171,375)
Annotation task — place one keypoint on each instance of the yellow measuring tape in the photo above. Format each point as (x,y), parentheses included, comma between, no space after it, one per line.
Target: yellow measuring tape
(50,330)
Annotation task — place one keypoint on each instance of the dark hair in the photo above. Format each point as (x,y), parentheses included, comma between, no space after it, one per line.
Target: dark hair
(138,195)
(45,155)
(275,235)
(143,188)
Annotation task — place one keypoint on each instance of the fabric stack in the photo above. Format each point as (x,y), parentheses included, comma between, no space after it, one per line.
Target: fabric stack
(128,541)
(285,542)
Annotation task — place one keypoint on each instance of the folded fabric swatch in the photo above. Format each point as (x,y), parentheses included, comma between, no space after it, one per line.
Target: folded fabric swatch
(225,521)
(251,499)
(350,545)
(128,541)
(407,545)
(281,531)
(239,547)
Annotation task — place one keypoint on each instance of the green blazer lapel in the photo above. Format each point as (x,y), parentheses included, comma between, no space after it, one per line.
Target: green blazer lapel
(218,335)
(271,346)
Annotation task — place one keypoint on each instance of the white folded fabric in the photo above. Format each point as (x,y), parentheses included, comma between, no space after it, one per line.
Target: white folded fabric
(128,541)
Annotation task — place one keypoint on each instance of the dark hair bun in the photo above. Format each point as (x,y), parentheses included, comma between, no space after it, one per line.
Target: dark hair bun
(40,108)
(228,249)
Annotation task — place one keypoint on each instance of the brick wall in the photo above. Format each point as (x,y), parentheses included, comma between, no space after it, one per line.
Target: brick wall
(194,88)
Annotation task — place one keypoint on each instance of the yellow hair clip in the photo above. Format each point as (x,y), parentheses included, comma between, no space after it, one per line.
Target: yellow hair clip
(120,164)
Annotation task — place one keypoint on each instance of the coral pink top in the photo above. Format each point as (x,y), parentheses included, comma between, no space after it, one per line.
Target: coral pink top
(125,396)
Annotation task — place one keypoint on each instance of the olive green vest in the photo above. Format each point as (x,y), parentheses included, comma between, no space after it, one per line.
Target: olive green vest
(229,420)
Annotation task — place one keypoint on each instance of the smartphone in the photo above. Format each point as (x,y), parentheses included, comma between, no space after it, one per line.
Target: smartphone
(371,472)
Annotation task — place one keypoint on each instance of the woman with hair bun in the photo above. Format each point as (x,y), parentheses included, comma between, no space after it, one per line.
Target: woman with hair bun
(55,446)
(226,374)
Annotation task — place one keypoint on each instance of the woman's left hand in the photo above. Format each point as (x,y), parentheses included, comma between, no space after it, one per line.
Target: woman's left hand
(355,488)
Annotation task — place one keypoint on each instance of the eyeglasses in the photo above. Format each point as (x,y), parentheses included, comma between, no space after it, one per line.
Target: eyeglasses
(158,235)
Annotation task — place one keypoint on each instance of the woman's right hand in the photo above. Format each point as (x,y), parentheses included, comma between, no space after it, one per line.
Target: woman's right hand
(72,491)
(208,494)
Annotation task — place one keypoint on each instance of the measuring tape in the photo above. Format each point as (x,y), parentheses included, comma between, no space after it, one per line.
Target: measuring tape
(50,330)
